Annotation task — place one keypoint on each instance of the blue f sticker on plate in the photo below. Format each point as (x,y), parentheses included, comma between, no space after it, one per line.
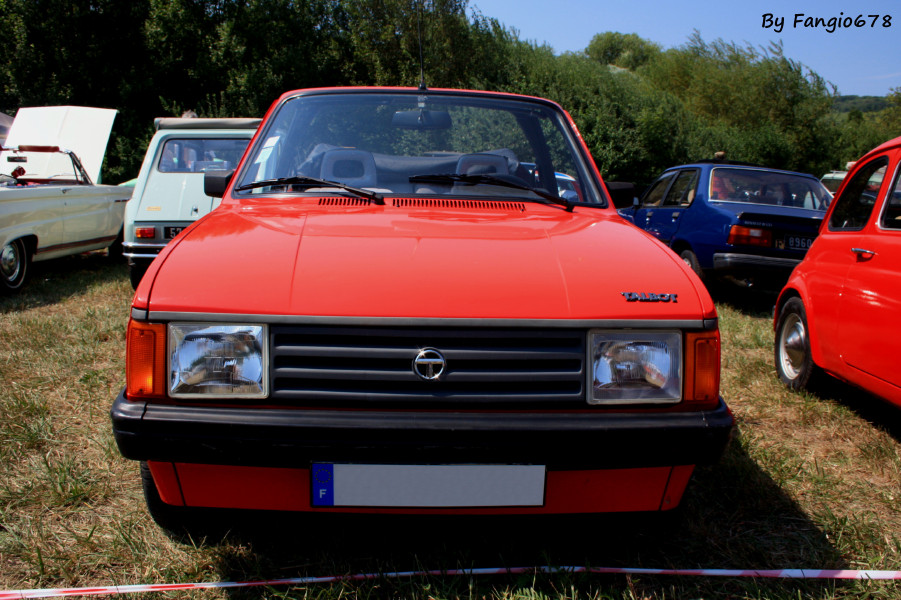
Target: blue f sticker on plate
(323,484)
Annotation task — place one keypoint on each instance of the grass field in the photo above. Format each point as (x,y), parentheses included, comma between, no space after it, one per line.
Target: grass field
(810,481)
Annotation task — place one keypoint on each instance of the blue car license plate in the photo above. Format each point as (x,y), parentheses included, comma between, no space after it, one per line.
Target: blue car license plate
(798,242)
(171,232)
(427,485)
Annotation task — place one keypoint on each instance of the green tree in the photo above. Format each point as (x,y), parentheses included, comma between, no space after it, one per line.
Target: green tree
(83,53)
(890,118)
(625,50)
(386,38)
(775,109)
(640,109)
(263,48)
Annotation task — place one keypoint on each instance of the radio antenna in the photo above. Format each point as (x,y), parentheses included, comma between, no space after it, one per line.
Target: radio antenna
(422,86)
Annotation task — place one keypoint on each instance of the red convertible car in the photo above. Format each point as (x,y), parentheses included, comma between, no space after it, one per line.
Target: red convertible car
(835,312)
(389,313)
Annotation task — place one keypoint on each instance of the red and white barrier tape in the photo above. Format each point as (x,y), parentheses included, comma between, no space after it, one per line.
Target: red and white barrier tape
(168,587)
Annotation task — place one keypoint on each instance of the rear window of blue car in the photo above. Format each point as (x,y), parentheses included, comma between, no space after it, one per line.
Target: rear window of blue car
(761,186)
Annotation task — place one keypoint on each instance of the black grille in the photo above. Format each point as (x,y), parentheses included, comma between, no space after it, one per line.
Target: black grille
(373,366)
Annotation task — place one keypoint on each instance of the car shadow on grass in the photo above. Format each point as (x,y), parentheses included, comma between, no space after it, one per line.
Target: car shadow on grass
(760,302)
(873,409)
(750,301)
(50,282)
(734,516)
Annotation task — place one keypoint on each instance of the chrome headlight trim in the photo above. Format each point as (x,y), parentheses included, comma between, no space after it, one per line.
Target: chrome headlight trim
(634,366)
(218,360)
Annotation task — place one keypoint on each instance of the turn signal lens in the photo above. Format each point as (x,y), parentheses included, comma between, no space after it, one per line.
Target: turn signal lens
(702,383)
(145,360)
(750,236)
(145,232)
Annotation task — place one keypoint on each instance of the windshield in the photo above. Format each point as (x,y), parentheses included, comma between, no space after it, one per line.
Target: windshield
(48,164)
(761,186)
(196,155)
(418,144)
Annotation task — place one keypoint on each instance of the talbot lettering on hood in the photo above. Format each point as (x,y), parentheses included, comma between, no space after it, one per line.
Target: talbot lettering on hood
(645,297)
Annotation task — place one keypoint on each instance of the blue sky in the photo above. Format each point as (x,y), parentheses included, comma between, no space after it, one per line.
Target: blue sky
(863,61)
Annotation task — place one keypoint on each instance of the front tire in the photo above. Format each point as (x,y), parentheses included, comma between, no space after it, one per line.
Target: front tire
(14,261)
(794,362)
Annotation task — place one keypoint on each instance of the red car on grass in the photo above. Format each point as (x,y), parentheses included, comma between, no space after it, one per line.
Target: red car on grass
(835,314)
(389,313)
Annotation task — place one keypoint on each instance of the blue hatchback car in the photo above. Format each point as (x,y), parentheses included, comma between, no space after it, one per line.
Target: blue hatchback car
(732,219)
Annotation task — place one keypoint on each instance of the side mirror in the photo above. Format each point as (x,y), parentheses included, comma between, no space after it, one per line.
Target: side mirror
(216,182)
(622,193)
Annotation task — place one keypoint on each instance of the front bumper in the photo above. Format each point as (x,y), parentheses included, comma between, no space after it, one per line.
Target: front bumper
(263,458)
(295,437)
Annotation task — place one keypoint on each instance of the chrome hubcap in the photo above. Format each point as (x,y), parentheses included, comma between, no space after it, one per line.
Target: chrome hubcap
(793,346)
(10,262)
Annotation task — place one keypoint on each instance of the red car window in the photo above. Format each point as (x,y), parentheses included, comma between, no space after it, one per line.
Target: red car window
(854,206)
(891,216)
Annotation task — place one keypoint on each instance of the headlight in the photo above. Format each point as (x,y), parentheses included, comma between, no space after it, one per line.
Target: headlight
(634,366)
(218,360)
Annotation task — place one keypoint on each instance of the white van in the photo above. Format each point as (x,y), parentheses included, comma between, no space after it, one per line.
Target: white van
(168,194)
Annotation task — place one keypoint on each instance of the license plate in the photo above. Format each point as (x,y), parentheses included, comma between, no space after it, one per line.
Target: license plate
(798,242)
(171,232)
(435,486)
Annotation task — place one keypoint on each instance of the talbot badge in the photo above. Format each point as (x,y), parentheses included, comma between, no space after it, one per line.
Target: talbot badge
(646,297)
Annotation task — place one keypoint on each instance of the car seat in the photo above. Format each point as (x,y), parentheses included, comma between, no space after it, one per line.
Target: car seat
(351,167)
(482,164)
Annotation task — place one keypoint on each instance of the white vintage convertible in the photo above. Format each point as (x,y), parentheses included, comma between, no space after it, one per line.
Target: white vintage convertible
(49,205)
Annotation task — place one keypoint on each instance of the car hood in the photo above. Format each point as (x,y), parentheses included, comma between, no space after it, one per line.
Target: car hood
(82,129)
(502,260)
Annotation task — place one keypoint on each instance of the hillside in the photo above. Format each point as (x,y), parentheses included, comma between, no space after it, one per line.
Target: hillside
(845,104)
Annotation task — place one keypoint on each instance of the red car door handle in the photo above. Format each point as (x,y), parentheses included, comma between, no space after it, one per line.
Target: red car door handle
(863,252)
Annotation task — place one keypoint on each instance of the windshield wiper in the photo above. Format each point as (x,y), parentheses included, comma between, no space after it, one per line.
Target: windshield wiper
(510,181)
(312,182)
